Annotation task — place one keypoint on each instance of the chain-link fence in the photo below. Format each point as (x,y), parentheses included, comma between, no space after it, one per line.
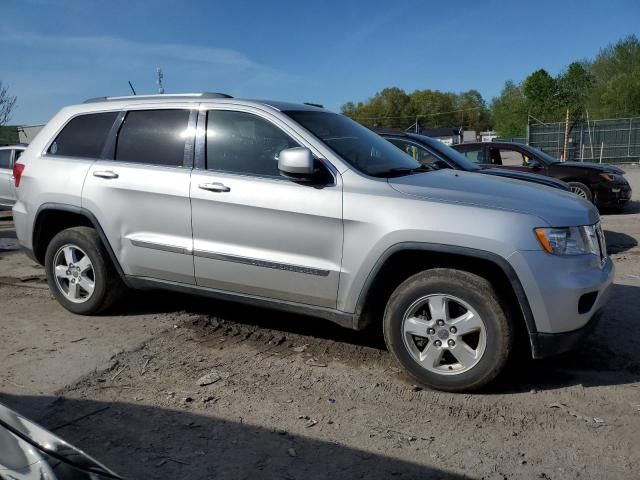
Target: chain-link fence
(601,141)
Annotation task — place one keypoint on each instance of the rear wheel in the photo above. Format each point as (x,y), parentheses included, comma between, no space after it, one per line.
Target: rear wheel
(448,329)
(79,273)
(581,190)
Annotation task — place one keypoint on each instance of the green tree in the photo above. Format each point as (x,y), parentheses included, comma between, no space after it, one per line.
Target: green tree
(510,111)
(616,80)
(574,87)
(541,92)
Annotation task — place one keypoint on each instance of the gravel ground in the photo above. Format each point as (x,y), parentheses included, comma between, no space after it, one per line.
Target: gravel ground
(292,397)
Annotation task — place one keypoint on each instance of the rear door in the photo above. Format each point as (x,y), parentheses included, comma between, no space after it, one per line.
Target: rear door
(254,231)
(140,192)
(7,194)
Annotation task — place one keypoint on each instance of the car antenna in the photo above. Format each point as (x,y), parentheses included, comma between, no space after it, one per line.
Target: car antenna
(131,87)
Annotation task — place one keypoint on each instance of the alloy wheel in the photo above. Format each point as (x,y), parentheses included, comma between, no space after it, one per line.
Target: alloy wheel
(74,273)
(444,334)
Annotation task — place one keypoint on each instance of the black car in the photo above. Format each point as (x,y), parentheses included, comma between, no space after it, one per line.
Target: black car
(436,154)
(602,184)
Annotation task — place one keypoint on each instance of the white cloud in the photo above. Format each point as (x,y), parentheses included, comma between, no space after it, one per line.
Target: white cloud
(49,71)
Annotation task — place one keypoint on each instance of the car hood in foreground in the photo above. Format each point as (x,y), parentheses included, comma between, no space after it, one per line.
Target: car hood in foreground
(527,177)
(556,207)
(29,452)
(601,167)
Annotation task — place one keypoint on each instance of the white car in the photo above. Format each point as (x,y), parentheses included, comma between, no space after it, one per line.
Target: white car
(8,156)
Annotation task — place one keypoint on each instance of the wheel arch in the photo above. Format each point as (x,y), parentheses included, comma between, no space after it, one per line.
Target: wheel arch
(405,259)
(52,218)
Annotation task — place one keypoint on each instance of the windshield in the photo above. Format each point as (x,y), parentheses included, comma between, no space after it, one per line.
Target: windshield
(545,157)
(357,145)
(448,153)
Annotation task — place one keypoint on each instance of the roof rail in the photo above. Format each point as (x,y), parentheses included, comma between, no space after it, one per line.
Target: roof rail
(314,104)
(168,96)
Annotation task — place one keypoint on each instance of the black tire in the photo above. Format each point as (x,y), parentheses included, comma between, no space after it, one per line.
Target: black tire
(581,190)
(479,294)
(108,287)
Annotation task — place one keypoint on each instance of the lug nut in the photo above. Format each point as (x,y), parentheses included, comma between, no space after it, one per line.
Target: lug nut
(430,331)
(437,343)
(451,343)
(453,330)
(440,322)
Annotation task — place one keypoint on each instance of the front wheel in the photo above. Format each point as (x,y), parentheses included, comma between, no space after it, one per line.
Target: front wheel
(79,272)
(581,190)
(448,329)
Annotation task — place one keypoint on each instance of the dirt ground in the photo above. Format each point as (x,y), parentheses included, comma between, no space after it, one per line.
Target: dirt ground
(298,398)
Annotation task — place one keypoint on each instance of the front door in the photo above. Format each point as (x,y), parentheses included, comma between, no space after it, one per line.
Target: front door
(254,231)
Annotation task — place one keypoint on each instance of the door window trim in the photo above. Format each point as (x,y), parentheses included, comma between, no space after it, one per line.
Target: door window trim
(109,151)
(200,156)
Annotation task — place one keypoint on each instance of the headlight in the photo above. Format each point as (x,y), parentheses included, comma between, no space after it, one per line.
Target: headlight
(569,240)
(613,177)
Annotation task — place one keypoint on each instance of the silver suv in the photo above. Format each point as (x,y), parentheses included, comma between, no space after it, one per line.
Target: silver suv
(300,209)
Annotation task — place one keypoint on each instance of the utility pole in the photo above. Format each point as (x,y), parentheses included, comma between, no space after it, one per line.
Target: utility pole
(159,80)
(566,138)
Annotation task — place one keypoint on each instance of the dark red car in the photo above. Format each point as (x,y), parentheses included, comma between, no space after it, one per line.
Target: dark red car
(602,184)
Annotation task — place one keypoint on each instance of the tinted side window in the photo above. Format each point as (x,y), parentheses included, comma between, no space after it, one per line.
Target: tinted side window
(83,136)
(17,155)
(475,155)
(421,154)
(5,158)
(153,137)
(240,142)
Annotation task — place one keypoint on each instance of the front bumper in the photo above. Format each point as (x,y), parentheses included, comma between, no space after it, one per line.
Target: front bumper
(612,195)
(565,295)
(548,344)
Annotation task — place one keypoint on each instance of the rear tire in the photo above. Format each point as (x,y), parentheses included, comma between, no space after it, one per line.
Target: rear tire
(581,190)
(79,272)
(459,346)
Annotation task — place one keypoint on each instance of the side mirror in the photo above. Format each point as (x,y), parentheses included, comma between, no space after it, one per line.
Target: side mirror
(534,165)
(296,163)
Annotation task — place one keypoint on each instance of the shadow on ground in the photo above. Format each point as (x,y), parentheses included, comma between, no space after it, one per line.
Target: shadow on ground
(618,242)
(142,442)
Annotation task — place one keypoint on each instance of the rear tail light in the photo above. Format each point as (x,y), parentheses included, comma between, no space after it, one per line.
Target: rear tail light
(18,168)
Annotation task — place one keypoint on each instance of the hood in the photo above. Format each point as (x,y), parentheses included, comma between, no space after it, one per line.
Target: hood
(601,167)
(528,177)
(29,452)
(554,206)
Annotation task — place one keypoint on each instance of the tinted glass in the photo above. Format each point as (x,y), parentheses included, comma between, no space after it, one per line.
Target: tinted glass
(17,155)
(545,157)
(420,154)
(240,142)
(154,137)
(357,145)
(5,158)
(445,151)
(84,135)
(475,155)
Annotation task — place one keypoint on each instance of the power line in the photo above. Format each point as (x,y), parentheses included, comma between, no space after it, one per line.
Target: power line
(417,116)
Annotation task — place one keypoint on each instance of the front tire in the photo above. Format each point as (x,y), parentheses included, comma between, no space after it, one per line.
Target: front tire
(448,329)
(79,272)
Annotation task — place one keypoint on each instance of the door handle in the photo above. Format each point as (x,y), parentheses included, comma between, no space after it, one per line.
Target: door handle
(108,174)
(214,187)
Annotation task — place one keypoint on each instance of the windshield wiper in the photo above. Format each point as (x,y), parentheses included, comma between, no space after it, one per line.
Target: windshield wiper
(399,171)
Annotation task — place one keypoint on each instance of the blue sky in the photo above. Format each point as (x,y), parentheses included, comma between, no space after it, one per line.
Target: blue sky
(61,52)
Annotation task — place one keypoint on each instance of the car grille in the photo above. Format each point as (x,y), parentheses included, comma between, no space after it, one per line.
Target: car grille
(602,245)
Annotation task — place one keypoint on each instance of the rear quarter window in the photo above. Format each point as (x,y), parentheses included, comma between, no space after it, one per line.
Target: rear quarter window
(83,136)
